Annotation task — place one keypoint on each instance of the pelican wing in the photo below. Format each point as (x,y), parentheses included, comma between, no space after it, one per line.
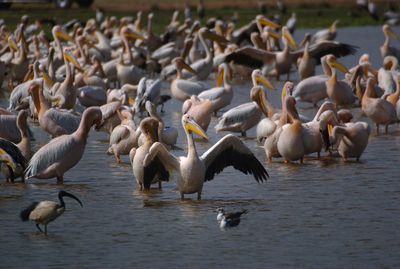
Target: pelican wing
(153,90)
(230,151)
(158,161)
(119,133)
(13,151)
(323,48)
(212,94)
(69,122)
(109,109)
(238,115)
(191,87)
(51,153)
(251,57)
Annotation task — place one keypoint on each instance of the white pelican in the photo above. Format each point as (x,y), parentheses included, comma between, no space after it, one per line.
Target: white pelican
(378,110)
(63,152)
(245,116)
(352,138)
(200,110)
(221,96)
(145,177)
(193,170)
(386,49)
(54,121)
(44,212)
(326,34)
(182,89)
(148,90)
(338,91)
(123,137)
(387,74)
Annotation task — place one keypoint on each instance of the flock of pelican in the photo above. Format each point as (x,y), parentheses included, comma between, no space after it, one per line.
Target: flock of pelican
(112,74)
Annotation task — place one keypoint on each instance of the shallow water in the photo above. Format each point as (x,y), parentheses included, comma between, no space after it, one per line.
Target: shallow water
(325,213)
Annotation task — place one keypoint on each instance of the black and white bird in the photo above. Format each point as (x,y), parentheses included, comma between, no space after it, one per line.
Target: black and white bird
(227,220)
(45,212)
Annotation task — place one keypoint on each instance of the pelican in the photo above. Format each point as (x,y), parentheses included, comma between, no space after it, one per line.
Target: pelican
(283,60)
(148,90)
(63,152)
(353,141)
(12,162)
(326,34)
(394,97)
(168,135)
(221,96)
(45,212)
(245,116)
(194,170)
(123,137)
(386,74)
(386,49)
(182,89)
(338,91)
(145,177)
(378,110)
(200,110)
(54,121)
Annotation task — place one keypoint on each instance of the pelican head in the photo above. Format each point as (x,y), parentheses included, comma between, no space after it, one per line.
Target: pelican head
(387,31)
(149,127)
(212,36)
(266,22)
(287,89)
(332,28)
(131,34)
(180,64)
(289,38)
(6,158)
(390,62)
(257,94)
(71,59)
(190,126)
(223,70)
(333,63)
(60,34)
(257,77)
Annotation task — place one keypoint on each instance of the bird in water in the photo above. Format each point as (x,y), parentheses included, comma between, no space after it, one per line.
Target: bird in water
(45,212)
(228,220)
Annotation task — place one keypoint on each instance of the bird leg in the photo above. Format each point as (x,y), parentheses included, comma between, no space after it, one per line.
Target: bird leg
(37,226)
(60,179)
(199,195)
(159,184)
(386,128)
(377,129)
(243,134)
(117,157)
(45,229)
(182,196)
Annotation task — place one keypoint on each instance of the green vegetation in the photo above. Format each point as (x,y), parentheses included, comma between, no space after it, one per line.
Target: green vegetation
(312,17)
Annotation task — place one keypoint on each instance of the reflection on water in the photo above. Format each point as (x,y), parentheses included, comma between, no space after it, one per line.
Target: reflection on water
(324,213)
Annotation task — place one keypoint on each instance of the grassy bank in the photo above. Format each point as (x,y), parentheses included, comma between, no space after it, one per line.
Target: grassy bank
(307,17)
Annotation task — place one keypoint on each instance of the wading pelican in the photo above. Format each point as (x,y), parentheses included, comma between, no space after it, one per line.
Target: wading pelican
(145,177)
(45,212)
(200,110)
(352,138)
(338,91)
(193,170)
(63,152)
(378,110)
(245,116)
(182,89)
(220,96)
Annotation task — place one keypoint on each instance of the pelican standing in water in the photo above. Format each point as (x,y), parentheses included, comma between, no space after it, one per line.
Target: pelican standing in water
(194,170)
(63,152)
(45,212)
(245,116)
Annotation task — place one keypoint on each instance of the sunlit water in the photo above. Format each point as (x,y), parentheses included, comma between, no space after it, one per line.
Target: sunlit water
(324,213)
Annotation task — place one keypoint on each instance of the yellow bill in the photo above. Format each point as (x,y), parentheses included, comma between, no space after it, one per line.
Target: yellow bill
(266,22)
(340,67)
(265,82)
(289,38)
(193,127)
(64,36)
(70,58)
(220,77)
(6,158)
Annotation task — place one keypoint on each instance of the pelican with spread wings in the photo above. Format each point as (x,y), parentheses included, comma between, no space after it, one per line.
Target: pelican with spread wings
(193,170)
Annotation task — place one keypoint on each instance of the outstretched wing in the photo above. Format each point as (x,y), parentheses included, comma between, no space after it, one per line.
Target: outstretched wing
(251,57)
(230,151)
(158,161)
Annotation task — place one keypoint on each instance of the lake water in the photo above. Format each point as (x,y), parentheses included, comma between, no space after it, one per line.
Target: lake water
(325,213)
